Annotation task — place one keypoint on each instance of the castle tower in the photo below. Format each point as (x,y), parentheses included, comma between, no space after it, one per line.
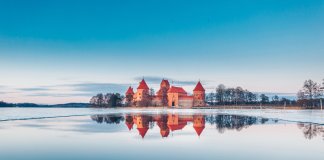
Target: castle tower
(165,84)
(142,91)
(199,95)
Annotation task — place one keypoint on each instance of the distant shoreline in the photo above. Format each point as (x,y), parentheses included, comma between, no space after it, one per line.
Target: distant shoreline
(86,105)
(227,107)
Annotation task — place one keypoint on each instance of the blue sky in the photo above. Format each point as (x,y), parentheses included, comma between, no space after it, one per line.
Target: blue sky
(64,51)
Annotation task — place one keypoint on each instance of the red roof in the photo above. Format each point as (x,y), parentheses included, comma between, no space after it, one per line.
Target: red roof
(177,90)
(142,131)
(166,82)
(199,87)
(199,130)
(129,91)
(143,85)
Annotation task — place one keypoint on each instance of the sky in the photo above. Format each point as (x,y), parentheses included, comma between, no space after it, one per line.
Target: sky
(66,51)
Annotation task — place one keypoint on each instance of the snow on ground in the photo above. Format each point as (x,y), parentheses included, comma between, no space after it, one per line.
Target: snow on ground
(312,116)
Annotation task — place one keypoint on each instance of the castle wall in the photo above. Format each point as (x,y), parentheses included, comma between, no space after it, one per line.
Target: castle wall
(199,99)
(173,99)
(185,103)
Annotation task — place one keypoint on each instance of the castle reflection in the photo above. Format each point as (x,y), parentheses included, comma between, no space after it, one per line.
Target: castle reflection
(172,122)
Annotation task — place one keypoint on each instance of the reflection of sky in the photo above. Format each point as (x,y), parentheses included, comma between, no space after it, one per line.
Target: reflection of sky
(83,138)
(263,46)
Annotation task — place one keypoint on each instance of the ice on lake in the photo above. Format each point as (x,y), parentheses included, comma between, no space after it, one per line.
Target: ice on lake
(312,116)
(139,134)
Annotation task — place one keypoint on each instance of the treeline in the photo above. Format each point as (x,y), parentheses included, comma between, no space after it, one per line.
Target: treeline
(311,95)
(107,100)
(4,104)
(240,96)
(31,105)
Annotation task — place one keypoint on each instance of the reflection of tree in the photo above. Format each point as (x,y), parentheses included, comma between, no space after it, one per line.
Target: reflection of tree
(311,130)
(109,119)
(233,122)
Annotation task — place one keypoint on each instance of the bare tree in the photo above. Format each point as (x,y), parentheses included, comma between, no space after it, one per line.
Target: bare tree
(311,89)
(220,93)
(146,99)
(164,96)
(309,94)
(264,99)
(275,99)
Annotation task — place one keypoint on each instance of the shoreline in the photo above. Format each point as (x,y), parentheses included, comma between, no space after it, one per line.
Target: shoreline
(227,107)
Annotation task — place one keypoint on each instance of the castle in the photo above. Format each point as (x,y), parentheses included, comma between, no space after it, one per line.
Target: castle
(167,95)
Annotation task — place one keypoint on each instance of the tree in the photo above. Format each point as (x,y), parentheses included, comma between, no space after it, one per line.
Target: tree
(97,100)
(107,97)
(229,95)
(129,100)
(311,89)
(264,99)
(309,95)
(146,99)
(251,97)
(100,100)
(210,98)
(238,95)
(220,93)
(275,99)
(107,100)
(115,100)
(152,92)
(301,95)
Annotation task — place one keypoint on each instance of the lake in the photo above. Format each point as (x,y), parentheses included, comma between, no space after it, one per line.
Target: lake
(72,133)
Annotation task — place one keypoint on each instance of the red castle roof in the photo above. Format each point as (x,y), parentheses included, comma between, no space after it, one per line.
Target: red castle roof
(199,87)
(129,91)
(143,85)
(199,130)
(177,90)
(142,131)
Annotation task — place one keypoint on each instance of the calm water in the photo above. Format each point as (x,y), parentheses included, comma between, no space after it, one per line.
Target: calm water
(140,135)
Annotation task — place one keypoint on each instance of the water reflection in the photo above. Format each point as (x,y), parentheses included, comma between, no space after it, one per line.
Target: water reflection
(109,119)
(172,122)
(311,130)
